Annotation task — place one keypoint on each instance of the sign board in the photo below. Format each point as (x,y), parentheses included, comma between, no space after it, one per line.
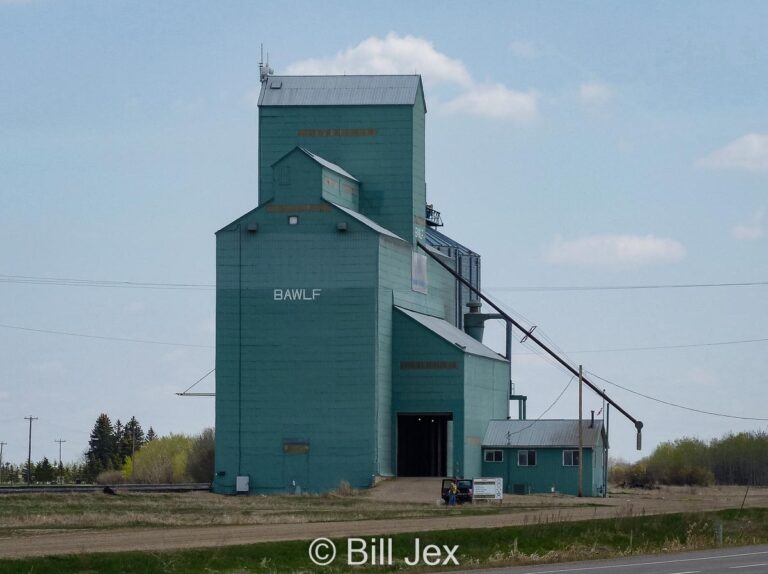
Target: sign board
(487,489)
(419,281)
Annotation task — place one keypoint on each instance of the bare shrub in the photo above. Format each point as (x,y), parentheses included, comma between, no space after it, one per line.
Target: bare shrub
(200,463)
(110,477)
(344,489)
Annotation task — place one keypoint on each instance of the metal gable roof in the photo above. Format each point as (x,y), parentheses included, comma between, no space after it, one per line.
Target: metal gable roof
(339,90)
(328,164)
(445,330)
(367,222)
(541,433)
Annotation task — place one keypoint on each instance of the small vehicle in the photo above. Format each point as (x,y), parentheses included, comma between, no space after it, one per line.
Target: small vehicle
(465,489)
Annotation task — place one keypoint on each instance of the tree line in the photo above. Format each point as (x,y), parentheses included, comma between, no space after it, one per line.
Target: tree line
(740,459)
(119,453)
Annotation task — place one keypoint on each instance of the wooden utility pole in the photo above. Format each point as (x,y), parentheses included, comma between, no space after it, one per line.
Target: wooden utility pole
(30,418)
(61,468)
(581,437)
(2,444)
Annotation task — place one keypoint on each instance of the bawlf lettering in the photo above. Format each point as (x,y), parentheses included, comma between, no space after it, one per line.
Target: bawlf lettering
(296,294)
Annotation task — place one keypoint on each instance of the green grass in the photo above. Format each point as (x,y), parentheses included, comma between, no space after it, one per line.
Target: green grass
(483,547)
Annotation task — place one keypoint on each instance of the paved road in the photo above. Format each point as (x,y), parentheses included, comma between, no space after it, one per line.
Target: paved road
(743,560)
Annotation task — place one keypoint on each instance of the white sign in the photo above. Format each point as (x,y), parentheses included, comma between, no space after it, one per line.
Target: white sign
(296,294)
(419,281)
(487,489)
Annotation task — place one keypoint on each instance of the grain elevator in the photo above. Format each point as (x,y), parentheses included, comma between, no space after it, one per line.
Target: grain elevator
(340,353)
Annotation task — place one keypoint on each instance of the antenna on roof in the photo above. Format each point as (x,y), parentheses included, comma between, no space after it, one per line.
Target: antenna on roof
(264,70)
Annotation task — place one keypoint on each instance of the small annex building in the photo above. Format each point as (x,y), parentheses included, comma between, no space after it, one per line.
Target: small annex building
(542,456)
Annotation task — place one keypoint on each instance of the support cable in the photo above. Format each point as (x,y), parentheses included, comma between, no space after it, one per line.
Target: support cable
(638,424)
(186,393)
(671,404)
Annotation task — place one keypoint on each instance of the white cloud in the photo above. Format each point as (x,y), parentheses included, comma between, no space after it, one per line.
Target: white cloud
(755,229)
(395,54)
(615,251)
(495,101)
(392,54)
(595,95)
(748,153)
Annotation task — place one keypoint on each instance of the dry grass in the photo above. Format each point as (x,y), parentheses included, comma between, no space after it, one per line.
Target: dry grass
(95,510)
(32,512)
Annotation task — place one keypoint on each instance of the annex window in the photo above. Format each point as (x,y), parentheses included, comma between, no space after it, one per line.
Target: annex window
(570,458)
(526,458)
(494,456)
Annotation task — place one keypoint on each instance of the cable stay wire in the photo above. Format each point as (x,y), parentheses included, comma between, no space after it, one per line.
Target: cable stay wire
(535,350)
(73,282)
(545,288)
(104,338)
(662,347)
(197,382)
(671,404)
(539,332)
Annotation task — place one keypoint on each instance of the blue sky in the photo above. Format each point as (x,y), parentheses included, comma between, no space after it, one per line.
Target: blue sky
(570,144)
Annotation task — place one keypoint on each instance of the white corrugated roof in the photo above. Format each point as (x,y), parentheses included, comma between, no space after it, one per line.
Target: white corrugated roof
(339,90)
(365,221)
(444,329)
(541,433)
(328,164)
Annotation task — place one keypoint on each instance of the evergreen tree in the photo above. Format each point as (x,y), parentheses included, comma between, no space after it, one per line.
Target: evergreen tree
(119,430)
(151,435)
(132,439)
(26,472)
(44,471)
(102,448)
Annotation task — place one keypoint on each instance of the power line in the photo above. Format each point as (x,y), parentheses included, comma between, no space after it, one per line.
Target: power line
(73,282)
(104,338)
(626,287)
(547,409)
(668,403)
(77,282)
(660,347)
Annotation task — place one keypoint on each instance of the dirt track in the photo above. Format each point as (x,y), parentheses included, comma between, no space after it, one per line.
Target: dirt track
(551,509)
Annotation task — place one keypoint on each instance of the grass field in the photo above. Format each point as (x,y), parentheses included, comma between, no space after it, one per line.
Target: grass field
(95,510)
(477,547)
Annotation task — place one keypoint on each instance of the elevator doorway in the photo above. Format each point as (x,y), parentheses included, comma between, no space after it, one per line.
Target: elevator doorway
(422,444)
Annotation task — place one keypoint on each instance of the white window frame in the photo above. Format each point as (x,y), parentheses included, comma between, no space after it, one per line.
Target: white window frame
(493,451)
(574,455)
(527,457)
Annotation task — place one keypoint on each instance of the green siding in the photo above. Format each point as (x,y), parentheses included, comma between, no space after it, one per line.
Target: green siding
(383,162)
(549,472)
(322,375)
(486,388)
(427,390)
(473,391)
(296,369)
(340,190)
